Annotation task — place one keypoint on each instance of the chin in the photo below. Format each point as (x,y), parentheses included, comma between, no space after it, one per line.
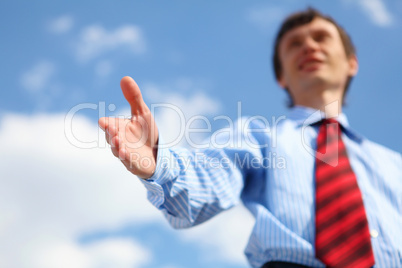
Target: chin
(314,81)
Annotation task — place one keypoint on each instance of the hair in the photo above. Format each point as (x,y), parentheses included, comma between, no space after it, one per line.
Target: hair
(301,18)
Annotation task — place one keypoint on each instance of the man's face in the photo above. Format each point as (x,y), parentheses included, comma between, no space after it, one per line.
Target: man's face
(313,57)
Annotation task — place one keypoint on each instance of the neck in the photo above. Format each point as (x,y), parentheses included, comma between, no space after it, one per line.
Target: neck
(329,102)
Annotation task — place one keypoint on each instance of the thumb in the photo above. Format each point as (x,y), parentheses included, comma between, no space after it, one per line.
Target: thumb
(133,95)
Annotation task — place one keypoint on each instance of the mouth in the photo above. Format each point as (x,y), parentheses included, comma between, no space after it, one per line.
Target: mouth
(309,64)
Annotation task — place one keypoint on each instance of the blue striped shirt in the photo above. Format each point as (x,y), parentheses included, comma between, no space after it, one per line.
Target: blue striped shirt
(271,170)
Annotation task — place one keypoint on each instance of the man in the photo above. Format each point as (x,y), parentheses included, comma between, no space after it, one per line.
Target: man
(338,200)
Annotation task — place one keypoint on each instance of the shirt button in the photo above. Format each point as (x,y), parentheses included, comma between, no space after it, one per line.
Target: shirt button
(374,233)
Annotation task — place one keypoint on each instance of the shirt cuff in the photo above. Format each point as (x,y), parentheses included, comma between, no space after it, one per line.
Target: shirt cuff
(166,170)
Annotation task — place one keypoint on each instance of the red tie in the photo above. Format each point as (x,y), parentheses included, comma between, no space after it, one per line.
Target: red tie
(342,233)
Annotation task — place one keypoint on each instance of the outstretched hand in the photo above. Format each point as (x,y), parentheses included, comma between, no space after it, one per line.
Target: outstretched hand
(133,140)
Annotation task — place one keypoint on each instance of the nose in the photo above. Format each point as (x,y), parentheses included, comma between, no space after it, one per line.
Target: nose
(309,45)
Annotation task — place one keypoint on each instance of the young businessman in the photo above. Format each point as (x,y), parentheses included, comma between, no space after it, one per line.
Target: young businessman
(337,199)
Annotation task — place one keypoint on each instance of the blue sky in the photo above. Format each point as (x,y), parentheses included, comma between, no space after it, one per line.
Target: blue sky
(80,205)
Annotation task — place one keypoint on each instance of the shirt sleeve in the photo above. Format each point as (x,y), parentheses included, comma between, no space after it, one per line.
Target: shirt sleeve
(191,186)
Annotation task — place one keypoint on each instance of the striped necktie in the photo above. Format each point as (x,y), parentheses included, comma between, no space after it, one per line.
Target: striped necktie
(342,233)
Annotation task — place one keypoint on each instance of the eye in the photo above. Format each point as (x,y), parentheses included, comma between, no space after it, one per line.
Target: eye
(294,43)
(321,37)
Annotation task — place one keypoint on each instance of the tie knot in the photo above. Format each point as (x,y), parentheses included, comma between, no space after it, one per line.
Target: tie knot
(329,121)
(329,129)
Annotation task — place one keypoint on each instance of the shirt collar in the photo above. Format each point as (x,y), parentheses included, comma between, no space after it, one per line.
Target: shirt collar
(304,116)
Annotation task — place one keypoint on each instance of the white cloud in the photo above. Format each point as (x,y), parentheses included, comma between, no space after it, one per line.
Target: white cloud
(111,252)
(117,253)
(63,255)
(96,40)
(265,17)
(52,192)
(60,25)
(38,77)
(377,11)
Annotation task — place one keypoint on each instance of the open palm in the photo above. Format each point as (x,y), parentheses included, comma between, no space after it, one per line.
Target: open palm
(133,140)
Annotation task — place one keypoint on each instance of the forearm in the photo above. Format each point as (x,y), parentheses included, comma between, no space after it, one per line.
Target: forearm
(191,187)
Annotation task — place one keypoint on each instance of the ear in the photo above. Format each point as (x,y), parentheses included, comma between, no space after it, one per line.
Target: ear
(353,65)
(281,81)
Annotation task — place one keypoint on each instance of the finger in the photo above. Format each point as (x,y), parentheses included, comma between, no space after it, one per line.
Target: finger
(107,138)
(116,146)
(111,131)
(131,166)
(115,151)
(111,140)
(129,161)
(103,123)
(114,141)
(122,152)
(133,95)
(108,124)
